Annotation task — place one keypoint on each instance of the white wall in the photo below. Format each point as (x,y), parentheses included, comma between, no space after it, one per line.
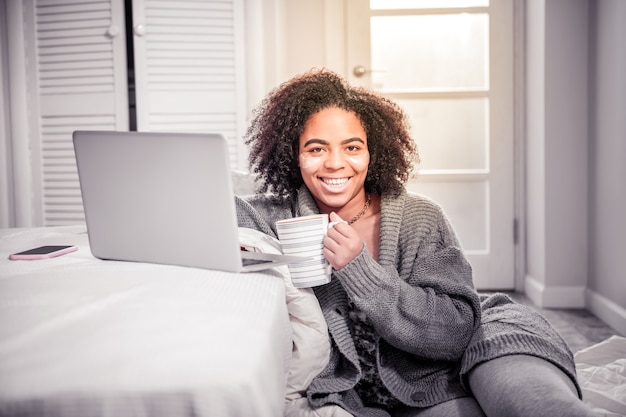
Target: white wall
(265,45)
(556,160)
(606,295)
(304,26)
(576,145)
(288,37)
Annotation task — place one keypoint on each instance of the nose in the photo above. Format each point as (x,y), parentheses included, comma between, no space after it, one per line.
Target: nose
(334,160)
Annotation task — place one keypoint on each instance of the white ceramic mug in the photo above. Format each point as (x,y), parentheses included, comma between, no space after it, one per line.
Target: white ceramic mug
(304,236)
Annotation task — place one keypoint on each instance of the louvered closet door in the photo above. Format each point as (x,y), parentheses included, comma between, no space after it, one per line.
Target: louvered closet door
(189,68)
(76,67)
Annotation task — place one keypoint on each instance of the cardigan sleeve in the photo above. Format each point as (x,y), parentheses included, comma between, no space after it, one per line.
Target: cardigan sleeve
(425,303)
(260,212)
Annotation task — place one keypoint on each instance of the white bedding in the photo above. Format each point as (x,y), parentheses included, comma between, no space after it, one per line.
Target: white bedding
(601,372)
(81,336)
(311,343)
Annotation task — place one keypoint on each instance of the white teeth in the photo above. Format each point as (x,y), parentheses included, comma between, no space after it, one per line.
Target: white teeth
(335,182)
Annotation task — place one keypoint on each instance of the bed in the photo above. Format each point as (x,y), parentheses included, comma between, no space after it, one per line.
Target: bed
(85,337)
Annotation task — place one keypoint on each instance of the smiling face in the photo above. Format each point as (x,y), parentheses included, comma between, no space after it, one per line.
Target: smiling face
(333,159)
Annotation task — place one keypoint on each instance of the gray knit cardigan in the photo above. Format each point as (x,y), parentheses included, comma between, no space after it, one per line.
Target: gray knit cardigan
(432,326)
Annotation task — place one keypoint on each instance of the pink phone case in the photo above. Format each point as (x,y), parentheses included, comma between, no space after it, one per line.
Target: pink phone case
(43,252)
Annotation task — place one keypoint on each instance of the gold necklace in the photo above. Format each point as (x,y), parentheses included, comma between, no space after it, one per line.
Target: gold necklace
(368,200)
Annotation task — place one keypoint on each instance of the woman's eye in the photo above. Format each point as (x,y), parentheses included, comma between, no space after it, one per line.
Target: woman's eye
(353,148)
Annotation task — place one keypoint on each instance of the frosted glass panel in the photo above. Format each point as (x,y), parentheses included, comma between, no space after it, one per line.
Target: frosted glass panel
(430,52)
(450,134)
(424,4)
(465,204)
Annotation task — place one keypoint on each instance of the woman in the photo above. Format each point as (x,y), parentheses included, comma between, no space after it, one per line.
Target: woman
(410,336)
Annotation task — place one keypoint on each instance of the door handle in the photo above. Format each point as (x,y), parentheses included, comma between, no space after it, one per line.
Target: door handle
(359,71)
(139,29)
(113,31)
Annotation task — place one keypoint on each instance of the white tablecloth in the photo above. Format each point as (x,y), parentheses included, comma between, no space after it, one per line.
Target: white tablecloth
(85,337)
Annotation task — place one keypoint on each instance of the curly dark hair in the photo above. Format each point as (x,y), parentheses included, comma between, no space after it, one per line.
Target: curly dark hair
(279,120)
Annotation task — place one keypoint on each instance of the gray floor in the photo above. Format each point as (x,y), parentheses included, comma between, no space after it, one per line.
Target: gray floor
(578,327)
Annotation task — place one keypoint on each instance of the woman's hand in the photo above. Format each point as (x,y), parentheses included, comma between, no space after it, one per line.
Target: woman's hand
(342,243)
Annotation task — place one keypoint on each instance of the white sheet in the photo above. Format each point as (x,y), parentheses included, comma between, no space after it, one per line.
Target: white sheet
(81,336)
(601,372)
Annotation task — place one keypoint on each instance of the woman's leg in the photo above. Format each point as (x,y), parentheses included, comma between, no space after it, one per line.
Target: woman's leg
(459,407)
(523,385)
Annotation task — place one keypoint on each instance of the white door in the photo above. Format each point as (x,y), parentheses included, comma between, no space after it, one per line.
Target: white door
(189,68)
(450,65)
(68,72)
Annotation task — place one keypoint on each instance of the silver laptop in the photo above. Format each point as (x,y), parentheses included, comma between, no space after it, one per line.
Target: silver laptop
(163,198)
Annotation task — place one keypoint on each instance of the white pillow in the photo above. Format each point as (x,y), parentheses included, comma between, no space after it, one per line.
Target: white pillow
(244,183)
